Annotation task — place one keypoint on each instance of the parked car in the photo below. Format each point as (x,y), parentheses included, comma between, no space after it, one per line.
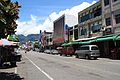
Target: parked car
(88,52)
(37,49)
(115,53)
(67,51)
(54,51)
(59,50)
(48,51)
(115,50)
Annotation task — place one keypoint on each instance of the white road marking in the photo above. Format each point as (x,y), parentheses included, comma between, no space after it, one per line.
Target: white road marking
(40,69)
(15,70)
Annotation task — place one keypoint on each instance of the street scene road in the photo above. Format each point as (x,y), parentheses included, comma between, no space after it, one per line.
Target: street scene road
(60,40)
(41,66)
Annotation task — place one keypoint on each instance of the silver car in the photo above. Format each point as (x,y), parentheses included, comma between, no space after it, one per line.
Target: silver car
(54,51)
(88,52)
(48,51)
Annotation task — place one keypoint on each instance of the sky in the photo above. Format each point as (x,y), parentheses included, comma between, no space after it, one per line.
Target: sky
(36,15)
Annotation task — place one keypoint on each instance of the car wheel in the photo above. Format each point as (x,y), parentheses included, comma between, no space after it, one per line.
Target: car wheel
(87,57)
(77,56)
(1,63)
(95,58)
(60,54)
(13,64)
(65,54)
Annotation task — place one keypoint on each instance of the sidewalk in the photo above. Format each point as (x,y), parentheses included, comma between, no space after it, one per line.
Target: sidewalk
(109,60)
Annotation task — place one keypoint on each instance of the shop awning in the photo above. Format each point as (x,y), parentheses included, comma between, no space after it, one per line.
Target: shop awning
(64,44)
(94,40)
(70,43)
(106,38)
(97,39)
(117,38)
(85,42)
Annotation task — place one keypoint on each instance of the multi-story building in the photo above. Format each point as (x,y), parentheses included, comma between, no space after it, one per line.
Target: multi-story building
(61,25)
(99,23)
(46,39)
(111,16)
(90,21)
(48,36)
(110,24)
(73,33)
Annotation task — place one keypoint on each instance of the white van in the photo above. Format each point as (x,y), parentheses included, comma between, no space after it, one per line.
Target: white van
(88,52)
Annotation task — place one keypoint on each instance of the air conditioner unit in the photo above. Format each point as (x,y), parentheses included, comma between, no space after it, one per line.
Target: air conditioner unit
(103,29)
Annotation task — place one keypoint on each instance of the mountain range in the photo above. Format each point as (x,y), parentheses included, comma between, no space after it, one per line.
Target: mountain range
(30,37)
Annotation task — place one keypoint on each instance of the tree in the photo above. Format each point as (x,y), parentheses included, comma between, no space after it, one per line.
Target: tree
(36,45)
(13,38)
(8,15)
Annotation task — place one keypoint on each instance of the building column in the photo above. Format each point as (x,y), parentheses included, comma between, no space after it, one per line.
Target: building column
(103,17)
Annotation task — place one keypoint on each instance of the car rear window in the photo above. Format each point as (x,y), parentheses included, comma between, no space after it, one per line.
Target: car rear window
(70,48)
(84,48)
(94,48)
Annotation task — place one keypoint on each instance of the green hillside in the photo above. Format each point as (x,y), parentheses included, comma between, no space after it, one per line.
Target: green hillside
(30,37)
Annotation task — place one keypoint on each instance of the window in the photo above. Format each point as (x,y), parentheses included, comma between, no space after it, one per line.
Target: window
(47,40)
(94,48)
(70,49)
(50,39)
(106,2)
(98,12)
(115,0)
(71,32)
(85,17)
(108,21)
(84,32)
(117,18)
(96,28)
(84,48)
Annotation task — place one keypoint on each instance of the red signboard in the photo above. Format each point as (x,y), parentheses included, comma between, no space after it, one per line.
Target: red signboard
(59,40)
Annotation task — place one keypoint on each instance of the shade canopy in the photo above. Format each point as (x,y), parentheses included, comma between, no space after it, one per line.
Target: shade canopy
(106,38)
(85,42)
(5,42)
(97,39)
(70,43)
(118,38)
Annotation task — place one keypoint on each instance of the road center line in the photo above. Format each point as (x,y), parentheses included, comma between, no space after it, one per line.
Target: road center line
(40,69)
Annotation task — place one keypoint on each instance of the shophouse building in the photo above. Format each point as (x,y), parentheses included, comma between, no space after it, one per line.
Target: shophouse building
(90,21)
(110,25)
(46,39)
(98,24)
(73,33)
(111,16)
(71,37)
(61,26)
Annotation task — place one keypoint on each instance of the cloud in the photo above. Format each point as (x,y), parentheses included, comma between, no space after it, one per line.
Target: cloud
(33,26)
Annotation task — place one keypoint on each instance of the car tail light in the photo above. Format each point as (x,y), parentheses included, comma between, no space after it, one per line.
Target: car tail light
(113,51)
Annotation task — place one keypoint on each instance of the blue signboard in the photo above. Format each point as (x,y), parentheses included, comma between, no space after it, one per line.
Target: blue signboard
(40,35)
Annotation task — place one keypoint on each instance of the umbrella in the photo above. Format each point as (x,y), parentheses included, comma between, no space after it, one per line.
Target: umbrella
(5,42)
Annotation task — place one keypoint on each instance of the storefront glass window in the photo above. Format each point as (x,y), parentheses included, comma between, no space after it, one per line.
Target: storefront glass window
(117,18)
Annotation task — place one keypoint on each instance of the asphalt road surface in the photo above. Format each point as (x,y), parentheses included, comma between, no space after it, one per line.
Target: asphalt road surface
(40,66)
